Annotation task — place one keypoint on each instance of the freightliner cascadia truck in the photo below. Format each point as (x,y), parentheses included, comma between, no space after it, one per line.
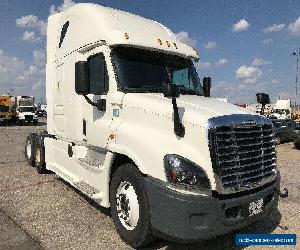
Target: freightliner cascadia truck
(131,126)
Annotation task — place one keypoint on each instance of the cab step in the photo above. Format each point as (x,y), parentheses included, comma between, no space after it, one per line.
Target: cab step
(93,158)
(86,188)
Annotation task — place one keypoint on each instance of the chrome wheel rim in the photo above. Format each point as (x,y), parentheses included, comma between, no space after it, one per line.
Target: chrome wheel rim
(128,209)
(37,155)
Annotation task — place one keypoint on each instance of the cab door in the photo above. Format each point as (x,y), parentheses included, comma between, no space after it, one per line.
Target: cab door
(95,122)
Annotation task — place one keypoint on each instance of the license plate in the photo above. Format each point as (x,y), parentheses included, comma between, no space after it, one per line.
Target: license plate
(256,207)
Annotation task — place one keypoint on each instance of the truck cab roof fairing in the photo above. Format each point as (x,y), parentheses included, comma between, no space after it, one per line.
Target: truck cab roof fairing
(89,23)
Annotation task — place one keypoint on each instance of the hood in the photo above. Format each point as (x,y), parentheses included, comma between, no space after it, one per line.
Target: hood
(192,109)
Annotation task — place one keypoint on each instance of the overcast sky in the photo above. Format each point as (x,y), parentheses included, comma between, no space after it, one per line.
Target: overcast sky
(245,46)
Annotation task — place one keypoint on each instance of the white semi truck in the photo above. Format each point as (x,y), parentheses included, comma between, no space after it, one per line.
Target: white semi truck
(130,125)
(24,110)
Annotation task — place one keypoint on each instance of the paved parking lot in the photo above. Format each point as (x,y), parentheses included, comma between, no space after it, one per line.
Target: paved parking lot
(44,212)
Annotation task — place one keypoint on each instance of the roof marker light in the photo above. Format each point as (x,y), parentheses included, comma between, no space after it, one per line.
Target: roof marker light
(126,35)
(159,41)
(168,43)
(175,45)
(111,136)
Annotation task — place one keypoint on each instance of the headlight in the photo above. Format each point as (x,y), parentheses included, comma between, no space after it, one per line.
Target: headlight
(184,172)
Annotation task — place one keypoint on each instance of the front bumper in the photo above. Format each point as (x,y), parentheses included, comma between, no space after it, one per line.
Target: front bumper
(28,119)
(186,217)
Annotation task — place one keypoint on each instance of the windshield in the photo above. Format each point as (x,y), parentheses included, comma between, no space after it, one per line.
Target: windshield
(281,111)
(140,70)
(26,109)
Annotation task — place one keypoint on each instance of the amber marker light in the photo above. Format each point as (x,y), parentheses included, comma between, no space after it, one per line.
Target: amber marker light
(159,41)
(168,43)
(111,136)
(126,35)
(175,45)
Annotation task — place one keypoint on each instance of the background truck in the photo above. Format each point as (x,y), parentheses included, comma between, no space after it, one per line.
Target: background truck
(5,112)
(282,110)
(41,110)
(24,110)
(131,126)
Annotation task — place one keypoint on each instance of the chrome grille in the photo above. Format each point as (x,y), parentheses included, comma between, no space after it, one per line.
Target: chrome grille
(242,154)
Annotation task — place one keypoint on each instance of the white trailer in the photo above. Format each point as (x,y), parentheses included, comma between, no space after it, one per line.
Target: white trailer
(131,126)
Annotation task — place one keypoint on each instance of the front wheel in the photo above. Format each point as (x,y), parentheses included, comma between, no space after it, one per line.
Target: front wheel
(130,206)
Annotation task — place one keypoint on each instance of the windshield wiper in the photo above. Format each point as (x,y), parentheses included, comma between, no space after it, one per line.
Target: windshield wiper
(185,91)
(144,89)
(151,89)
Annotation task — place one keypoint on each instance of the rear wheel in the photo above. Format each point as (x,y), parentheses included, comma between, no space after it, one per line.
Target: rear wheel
(130,206)
(39,156)
(29,148)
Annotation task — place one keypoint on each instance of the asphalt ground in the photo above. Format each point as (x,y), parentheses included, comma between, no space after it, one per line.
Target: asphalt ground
(45,212)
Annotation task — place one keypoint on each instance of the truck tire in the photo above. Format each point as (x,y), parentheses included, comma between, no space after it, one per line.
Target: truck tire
(130,208)
(297,144)
(29,148)
(39,155)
